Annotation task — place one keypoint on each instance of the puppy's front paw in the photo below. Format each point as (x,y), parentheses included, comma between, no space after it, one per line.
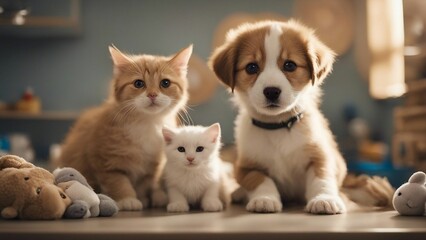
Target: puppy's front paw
(178,207)
(212,205)
(129,204)
(264,205)
(326,204)
(159,198)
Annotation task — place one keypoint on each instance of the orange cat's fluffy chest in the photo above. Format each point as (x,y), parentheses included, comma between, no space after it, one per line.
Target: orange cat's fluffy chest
(132,146)
(146,136)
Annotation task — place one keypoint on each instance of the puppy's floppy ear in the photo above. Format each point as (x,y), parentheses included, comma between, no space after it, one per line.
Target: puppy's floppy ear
(320,60)
(223,62)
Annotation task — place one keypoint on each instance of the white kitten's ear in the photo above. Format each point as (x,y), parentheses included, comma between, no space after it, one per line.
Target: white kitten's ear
(181,59)
(213,132)
(117,56)
(168,135)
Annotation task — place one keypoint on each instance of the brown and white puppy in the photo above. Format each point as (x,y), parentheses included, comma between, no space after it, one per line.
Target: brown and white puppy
(274,70)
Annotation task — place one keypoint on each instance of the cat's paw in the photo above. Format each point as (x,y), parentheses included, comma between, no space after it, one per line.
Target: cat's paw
(178,207)
(325,204)
(159,199)
(129,204)
(212,205)
(264,205)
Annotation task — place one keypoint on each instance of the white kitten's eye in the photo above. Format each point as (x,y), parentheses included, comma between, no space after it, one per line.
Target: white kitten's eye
(181,149)
(199,149)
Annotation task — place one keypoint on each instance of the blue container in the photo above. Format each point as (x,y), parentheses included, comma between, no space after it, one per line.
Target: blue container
(4,143)
(396,176)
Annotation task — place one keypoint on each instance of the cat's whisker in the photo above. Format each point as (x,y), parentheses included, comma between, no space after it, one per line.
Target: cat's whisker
(189,107)
(118,113)
(183,118)
(187,116)
(184,114)
(128,112)
(118,116)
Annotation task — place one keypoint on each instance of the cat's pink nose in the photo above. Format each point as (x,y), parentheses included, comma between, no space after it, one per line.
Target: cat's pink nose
(152,96)
(190,159)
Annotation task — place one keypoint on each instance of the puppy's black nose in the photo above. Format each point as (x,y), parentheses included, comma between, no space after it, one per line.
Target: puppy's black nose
(272,93)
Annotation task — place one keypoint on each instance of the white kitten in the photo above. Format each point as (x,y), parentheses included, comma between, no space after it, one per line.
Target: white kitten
(193,172)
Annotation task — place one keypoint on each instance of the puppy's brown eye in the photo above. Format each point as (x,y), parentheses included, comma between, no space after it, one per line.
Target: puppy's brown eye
(139,83)
(252,68)
(289,66)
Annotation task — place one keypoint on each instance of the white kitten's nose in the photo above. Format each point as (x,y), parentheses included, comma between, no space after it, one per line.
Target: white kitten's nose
(190,159)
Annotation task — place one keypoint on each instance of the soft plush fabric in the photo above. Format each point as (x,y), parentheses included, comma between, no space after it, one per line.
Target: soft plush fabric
(410,198)
(29,192)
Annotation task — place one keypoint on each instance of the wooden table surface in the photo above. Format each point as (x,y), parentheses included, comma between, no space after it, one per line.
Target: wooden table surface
(234,223)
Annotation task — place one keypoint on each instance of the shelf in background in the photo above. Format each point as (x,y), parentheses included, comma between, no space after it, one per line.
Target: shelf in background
(47,115)
(40,19)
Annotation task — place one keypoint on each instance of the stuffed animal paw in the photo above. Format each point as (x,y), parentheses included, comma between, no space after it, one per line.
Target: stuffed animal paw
(78,209)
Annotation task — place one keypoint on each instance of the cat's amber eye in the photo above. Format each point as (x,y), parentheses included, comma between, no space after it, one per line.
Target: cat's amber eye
(199,149)
(181,149)
(165,83)
(139,83)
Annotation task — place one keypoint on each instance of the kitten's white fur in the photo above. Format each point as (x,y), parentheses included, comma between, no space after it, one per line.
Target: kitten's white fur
(196,182)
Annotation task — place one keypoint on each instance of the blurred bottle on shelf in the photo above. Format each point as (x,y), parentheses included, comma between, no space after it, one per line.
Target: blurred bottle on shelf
(29,102)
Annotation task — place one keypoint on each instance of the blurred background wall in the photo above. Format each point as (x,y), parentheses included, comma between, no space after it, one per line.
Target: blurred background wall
(73,72)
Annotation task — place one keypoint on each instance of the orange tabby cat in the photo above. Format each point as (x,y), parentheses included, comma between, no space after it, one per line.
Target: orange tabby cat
(118,146)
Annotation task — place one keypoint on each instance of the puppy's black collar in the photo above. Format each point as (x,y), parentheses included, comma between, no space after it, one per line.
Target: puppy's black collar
(274,126)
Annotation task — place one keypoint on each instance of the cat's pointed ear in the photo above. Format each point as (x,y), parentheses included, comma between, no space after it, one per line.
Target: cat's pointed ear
(168,134)
(213,132)
(181,59)
(117,56)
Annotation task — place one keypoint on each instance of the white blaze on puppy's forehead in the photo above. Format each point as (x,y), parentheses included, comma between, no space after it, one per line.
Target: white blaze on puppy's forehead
(273,45)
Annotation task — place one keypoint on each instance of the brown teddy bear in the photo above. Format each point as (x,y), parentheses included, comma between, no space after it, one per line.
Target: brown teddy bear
(29,192)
